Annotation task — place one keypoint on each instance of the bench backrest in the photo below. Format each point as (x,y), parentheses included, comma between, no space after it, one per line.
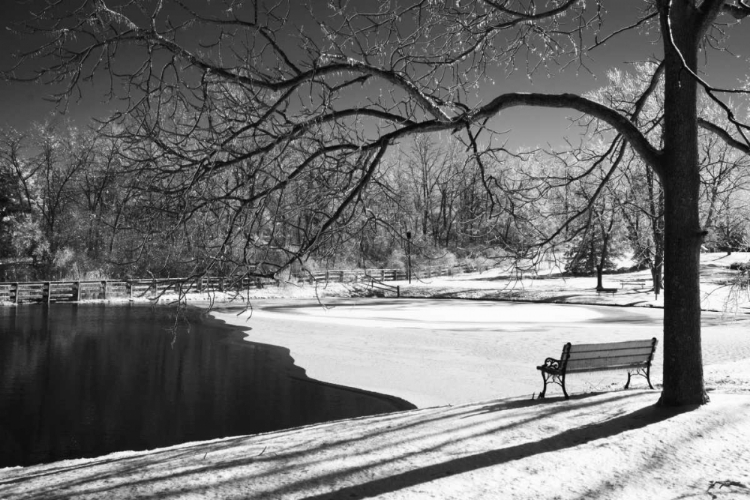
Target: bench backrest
(609,356)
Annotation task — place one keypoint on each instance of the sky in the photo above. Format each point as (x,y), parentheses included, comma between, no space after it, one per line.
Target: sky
(22,104)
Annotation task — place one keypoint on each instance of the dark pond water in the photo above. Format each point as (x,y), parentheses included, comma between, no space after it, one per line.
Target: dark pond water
(85,380)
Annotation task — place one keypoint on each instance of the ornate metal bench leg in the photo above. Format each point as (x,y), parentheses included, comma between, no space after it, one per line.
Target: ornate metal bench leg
(644,373)
(563,387)
(544,390)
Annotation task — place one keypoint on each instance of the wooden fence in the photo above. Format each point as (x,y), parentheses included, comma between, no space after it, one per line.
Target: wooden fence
(357,275)
(76,291)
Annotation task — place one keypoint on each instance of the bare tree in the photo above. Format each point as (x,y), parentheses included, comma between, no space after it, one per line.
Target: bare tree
(593,215)
(725,179)
(643,211)
(286,94)
(14,200)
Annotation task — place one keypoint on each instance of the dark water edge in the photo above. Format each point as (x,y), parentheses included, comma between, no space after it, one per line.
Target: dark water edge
(83,380)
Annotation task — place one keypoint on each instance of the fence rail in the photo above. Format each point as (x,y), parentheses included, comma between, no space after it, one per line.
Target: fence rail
(75,291)
(376,284)
(356,275)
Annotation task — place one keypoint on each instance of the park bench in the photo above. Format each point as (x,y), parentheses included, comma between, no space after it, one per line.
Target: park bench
(637,284)
(635,356)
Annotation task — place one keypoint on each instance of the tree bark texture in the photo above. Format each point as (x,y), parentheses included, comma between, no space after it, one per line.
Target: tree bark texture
(683,366)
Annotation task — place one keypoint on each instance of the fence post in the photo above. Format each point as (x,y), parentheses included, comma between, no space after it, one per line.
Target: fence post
(398,291)
(129,284)
(342,276)
(17,290)
(78,291)
(382,275)
(104,289)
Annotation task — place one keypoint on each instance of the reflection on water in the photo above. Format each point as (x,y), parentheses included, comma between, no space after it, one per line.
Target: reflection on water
(85,380)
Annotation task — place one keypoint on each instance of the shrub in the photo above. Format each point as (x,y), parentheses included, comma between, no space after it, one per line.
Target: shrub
(397,259)
(740,266)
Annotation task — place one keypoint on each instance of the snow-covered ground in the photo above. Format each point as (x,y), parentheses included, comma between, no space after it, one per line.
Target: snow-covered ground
(609,445)
(449,351)
(717,292)
(469,365)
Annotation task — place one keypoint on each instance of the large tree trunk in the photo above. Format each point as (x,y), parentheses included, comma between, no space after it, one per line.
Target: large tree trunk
(683,364)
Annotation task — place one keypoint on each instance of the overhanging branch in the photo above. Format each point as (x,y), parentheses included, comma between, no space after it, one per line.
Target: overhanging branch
(724,135)
(651,156)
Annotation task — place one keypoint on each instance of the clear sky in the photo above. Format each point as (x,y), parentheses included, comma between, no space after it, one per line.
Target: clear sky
(23,103)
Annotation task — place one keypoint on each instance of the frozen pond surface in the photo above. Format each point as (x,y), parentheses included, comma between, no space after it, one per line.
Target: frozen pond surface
(82,381)
(431,351)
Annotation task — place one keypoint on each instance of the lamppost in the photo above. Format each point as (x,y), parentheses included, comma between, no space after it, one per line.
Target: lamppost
(408,255)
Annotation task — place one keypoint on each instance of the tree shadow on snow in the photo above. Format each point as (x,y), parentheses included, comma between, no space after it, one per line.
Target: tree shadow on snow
(566,439)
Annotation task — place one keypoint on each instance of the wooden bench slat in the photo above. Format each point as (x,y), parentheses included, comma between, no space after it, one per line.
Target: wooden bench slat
(604,352)
(611,346)
(578,364)
(644,355)
(606,368)
(640,351)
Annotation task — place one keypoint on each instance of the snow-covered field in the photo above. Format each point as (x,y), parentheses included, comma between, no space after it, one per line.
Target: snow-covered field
(469,366)
(449,351)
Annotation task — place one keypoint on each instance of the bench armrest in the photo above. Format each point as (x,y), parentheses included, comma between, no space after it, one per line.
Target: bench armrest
(550,364)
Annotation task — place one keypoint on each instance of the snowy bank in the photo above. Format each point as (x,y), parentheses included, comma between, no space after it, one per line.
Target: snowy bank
(610,445)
